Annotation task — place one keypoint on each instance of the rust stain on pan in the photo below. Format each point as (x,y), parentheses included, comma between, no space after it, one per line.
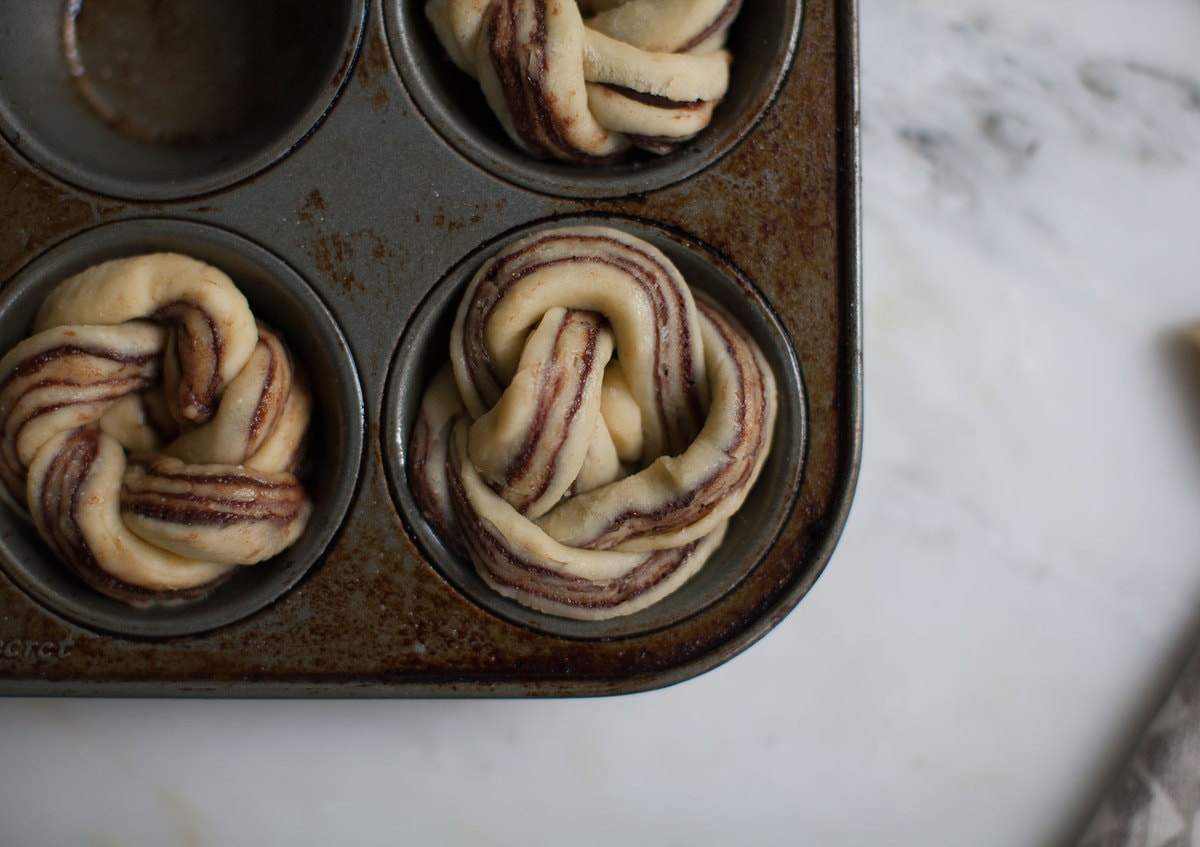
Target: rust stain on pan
(35,213)
(374,70)
(331,251)
(338,253)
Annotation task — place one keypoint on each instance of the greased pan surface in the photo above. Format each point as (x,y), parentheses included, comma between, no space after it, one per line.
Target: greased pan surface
(352,214)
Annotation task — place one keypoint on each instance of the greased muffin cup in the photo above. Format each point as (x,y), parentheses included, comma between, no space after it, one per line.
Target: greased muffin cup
(152,101)
(353,216)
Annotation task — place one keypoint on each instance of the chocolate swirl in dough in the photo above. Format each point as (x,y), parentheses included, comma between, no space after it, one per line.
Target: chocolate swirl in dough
(585,81)
(152,429)
(595,428)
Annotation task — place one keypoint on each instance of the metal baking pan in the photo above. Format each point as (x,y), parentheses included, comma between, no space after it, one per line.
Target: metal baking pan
(350,182)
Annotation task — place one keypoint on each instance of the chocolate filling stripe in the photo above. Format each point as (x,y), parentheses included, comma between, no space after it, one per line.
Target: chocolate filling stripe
(723,19)
(194,498)
(39,361)
(655,100)
(268,400)
(62,501)
(230,478)
(200,348)
(100,395)
(673,368)
(540,450)
(507,566)
(518,51)
(736,470)
(277,385)
(59,497)
(209,511)
(50,381)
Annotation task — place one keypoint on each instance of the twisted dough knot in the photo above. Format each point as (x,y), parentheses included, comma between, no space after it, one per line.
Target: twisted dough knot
(643,73)
(158,357)
(596,428)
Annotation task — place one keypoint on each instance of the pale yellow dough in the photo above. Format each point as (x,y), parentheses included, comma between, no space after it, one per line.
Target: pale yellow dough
(152,428)
(586,81)
(597,428)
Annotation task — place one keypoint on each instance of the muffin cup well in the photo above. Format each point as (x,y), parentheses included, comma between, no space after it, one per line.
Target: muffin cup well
(282,299)
(762,41)
(424,347)
(165,100)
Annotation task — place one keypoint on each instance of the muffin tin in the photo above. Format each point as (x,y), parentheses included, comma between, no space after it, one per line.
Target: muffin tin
(352,209)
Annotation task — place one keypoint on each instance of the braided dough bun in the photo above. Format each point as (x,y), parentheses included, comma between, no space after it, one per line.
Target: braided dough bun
(596,427)
(585,81)
(152,429)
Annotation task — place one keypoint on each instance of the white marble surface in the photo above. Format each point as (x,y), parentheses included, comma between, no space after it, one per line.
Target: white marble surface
(1018,580)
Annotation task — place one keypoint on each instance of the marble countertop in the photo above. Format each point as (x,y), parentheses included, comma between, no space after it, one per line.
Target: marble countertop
(1017,585)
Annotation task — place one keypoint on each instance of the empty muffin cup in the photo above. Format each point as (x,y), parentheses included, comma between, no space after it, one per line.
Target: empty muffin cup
(425,348)
(761,40)
(319,356)
(165,99)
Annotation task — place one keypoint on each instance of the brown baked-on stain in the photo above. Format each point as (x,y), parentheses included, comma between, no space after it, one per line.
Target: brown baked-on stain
(373,69)
(334,252)
(442,221)
(330,250)
(35,213)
